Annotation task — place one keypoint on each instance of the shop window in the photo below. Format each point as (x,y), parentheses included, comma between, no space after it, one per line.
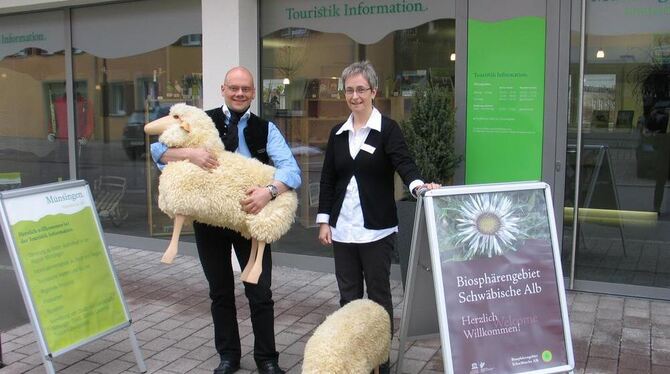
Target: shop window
(119,98)
(624,162)
(135,74)
(193,40)
(33,122)
(56,109)
(303,94)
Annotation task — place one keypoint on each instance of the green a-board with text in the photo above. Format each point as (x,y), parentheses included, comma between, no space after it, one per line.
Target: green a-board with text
(63,267)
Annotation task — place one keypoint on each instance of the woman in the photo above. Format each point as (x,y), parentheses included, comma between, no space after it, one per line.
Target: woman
(357,212)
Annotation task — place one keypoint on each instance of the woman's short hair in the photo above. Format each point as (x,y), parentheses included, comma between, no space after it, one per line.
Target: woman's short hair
(364,68)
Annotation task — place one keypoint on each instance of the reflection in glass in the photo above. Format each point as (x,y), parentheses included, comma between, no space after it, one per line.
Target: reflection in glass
(312,102)
(33,118)
(122,94)
(624,209)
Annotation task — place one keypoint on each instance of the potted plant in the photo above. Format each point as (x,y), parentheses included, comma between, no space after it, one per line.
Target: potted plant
(430,134)
(430,131)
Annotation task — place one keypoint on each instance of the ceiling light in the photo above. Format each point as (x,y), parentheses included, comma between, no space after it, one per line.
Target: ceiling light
(452,57)
(600,54)
(286,81)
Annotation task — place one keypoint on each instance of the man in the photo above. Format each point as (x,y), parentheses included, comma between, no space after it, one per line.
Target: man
(244,133)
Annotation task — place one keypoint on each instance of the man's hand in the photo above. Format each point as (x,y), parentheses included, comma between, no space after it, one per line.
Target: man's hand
(197,156)
(257,199)
(203,158)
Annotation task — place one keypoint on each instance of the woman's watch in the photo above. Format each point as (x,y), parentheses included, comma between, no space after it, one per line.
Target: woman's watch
(273,191)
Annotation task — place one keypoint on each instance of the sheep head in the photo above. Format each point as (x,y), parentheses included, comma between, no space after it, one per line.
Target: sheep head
(186,126)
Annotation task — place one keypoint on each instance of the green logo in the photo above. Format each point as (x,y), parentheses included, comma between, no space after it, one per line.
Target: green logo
(547,356)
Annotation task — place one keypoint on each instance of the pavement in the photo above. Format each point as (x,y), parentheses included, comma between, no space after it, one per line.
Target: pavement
(170,309)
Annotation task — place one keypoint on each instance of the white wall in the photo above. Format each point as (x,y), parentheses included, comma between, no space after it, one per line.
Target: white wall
(230,38)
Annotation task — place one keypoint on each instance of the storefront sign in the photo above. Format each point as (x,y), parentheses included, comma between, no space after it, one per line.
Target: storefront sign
(63,267)
(366,22)
(498,279)
(130,33)
(621,17)
(505,100)
(38,30)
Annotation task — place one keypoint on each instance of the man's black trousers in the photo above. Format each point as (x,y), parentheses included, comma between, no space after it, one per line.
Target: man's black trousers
(213,248)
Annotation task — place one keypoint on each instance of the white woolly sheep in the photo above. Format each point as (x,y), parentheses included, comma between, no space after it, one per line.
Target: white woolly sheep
(213,197)
(354,339)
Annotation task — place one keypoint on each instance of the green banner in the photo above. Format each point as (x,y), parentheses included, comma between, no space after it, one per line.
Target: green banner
(505,100)
(66,267)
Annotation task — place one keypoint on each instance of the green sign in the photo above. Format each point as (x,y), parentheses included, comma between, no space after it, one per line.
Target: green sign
(65,266)
(505,100)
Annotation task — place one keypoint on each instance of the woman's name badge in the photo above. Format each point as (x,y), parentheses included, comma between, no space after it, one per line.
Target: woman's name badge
(368,148)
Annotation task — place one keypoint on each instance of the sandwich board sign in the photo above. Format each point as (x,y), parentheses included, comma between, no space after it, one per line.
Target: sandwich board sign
(485,274)
(64,271)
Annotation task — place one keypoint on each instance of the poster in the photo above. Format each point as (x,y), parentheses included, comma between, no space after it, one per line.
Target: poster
(505,100)
(64,266)
(499,281)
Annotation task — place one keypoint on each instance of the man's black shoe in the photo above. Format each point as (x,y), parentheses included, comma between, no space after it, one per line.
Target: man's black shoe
(269,367)
(227,367)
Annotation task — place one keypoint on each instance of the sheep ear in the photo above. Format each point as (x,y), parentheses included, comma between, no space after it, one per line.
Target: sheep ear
(186,126)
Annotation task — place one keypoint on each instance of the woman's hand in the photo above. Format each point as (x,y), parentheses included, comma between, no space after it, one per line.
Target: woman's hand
(325,236)
(426,186)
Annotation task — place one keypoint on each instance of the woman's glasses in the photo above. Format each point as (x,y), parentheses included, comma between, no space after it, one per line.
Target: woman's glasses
(359,90)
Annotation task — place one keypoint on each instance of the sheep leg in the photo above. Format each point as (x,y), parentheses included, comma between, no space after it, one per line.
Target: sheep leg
(171,251)
(250,261)
(255,272)
(377,370)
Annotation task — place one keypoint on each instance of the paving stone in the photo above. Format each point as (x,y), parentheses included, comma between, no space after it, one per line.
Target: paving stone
(629,361)
(114,367)
(604,351)
(601,365)
(170,354)
(637,336)
(660,344)
(80,367)
(105,356)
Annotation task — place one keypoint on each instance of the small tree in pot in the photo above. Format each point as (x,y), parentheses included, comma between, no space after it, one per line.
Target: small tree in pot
(430,135)
(430,132)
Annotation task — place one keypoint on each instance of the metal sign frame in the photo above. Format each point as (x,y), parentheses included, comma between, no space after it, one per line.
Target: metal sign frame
(425,310)
(47,355)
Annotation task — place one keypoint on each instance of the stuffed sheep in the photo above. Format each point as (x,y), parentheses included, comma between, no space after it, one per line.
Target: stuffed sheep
(213,197)
(354,339)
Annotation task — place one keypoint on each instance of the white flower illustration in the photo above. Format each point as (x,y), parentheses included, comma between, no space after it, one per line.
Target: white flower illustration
(487,225)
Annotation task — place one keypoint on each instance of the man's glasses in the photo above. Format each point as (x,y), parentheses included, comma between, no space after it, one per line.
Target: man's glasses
(245,89)
(359,90)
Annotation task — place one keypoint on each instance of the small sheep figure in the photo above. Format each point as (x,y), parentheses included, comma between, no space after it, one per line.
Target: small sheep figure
(354,339)
(213,197)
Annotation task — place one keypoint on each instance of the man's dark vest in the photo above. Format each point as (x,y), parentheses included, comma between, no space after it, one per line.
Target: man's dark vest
(255,134)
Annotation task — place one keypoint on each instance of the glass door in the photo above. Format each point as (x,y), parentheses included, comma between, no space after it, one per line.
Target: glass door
(618,148)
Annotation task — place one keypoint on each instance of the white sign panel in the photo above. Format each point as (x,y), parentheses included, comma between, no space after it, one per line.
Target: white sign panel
(366,22)
(496,272)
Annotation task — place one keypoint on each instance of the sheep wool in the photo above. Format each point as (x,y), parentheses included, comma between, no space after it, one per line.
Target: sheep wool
(213,197)
(354,339)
